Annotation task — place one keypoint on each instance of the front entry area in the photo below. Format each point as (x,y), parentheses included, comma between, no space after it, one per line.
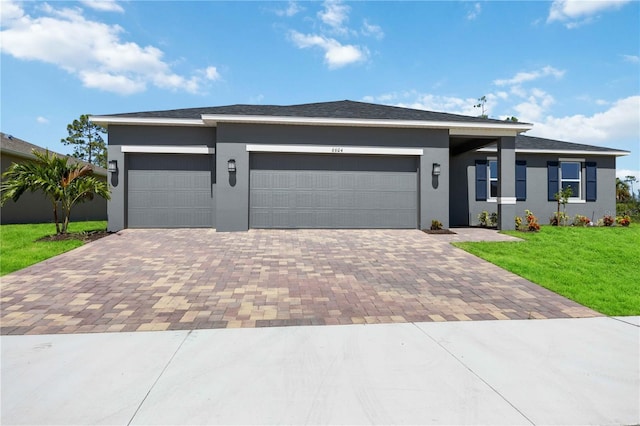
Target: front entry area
(333,191)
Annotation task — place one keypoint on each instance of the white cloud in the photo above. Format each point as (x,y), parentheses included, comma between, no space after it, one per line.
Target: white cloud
(623,173)
(211,73)
(93,51)
(621,122)
(335,14)
(372,30)
(634,59)
(103,5)
(293,8)
(523,77)
(474,12)
(42,120)
(429,102)
(336,55)
(575,13)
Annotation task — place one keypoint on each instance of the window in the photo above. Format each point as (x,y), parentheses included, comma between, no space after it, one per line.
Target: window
(493,178)
(570,172)
(487,180)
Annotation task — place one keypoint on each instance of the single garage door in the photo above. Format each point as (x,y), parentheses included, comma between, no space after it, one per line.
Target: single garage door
(333,191)
(171,191)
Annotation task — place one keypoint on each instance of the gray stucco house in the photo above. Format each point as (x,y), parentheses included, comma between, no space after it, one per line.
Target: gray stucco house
(33,207)
(340,164)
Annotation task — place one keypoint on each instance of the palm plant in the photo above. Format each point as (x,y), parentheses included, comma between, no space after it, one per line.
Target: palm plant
(63,184)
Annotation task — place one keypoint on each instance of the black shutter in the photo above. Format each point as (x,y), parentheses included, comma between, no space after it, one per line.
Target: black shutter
(591,181)
(521,180)
(552,179)
(481,180)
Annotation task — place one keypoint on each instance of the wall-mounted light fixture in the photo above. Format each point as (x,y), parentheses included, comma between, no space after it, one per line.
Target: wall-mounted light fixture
(231,166)
(436,169)
(112,166)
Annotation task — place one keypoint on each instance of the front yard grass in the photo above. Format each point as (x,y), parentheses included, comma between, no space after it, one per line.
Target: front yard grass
(19,248)
(596,267)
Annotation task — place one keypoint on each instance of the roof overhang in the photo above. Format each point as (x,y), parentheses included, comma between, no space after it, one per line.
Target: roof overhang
(106,120)
(456,128)
(616,153)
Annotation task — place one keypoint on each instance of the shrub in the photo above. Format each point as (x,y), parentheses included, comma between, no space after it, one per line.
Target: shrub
(580,220)
(518,220)
(493,218)
(623,220)
(558,219)
(487,219)
(532,221)
(608,220)
(436,225)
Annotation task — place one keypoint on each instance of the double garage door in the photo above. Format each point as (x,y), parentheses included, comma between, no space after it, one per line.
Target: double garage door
(171,191)
(333,191)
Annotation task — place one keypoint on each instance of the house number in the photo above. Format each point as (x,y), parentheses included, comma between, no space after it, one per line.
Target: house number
(336,149)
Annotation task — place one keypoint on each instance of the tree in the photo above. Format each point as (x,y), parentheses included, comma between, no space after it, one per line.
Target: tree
(562,197)
(630,180)
(622,191)
(482,101)
(86,137)
(512,119)
(63,184)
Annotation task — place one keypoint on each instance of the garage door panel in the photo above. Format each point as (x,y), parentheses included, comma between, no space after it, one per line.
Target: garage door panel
(170,191)
(346,196)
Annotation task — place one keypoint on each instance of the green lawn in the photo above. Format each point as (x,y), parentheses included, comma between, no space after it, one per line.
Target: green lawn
(596,267)
(19,249)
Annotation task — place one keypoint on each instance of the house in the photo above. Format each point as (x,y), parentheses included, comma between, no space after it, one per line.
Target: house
(33,207)
(340,164)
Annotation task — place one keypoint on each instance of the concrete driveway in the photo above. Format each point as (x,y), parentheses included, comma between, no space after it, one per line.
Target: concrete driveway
(186,279)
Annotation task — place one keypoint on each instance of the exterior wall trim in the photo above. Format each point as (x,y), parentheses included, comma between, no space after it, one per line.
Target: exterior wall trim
(165,149)
(470,128)
(561,151)
(105,120)
(506,200)
(337,150)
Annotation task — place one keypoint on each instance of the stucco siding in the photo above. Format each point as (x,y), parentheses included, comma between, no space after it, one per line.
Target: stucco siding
(537,197)
(35,208)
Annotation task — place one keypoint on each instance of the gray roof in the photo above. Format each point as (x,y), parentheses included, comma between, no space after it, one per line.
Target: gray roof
(542,144)
(337,109)
(20,148)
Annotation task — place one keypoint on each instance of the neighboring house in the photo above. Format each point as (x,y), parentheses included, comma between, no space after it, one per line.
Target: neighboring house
(340,164)
(34,207)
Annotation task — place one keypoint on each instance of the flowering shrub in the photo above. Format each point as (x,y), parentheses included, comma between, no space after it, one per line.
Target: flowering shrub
(436,225)
(532,221)
(623,220)
(608,220)
(580,220)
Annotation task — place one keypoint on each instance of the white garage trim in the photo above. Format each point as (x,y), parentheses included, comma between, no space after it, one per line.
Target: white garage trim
(144,149)
(319,149)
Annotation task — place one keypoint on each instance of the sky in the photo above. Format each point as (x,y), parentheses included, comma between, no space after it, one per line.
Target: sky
(572,68)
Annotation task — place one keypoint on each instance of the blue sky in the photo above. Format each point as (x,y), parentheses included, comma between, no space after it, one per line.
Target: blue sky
(570,67)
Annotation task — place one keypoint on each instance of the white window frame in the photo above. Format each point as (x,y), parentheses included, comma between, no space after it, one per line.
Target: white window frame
(580,161)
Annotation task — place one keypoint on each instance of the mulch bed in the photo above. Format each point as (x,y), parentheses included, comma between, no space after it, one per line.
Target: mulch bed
(438,231)
(86,237)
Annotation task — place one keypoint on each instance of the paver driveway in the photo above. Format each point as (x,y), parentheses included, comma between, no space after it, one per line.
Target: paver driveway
(198,278)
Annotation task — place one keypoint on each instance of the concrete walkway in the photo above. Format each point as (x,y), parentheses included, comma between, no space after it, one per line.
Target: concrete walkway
(189,279)
(558,371)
